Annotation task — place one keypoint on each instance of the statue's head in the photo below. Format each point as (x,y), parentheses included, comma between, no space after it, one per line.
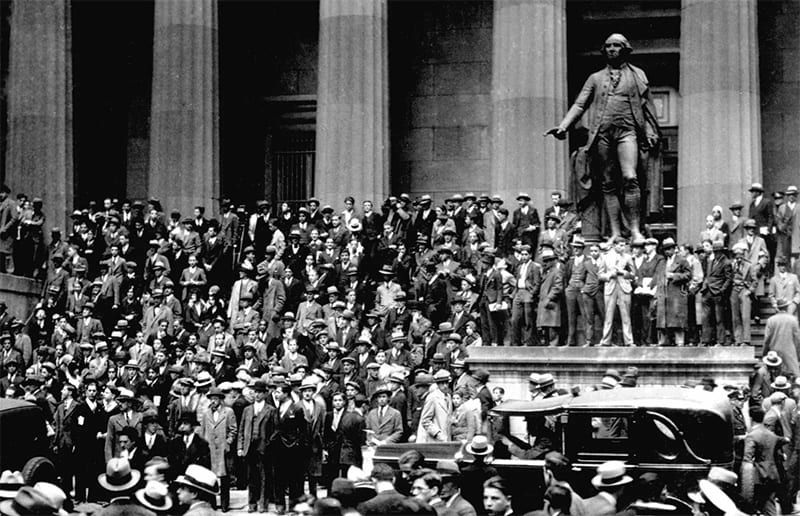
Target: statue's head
(616,46)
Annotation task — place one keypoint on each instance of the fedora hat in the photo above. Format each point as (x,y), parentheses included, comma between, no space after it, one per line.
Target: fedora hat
(611,474)
(442,375)
(216,391)
(125,394)
(10,482)
(200,478)
(781,383)
(154,495)
(717,497)
(791,190)
(53,493)
(118,476)
(204,379)
(423,380)
(479,446)
(756,187)
(447,468)
(28,501)
(381,389)
(772,359)
(524,196)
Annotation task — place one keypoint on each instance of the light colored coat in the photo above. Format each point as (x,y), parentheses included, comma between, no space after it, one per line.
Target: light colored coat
(784,288)
(389,429)
(783,336)
(434,423)
(221,436)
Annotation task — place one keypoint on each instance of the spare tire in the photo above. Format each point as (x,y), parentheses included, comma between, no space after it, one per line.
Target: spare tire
(39,469)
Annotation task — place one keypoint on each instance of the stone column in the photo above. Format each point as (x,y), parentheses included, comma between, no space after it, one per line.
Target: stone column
(719,144)
(529,95)
(352,148)
(39,156)
(184,121)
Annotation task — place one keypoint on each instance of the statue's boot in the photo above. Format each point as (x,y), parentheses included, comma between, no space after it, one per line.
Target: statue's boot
(633,200)
(613,210)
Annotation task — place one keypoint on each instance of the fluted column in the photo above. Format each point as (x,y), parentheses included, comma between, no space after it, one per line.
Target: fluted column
(529,93)
(39,156)
(184,122)
(719,144)
(352,156)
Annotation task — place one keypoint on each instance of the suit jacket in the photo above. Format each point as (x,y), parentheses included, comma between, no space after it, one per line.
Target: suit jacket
(764,213)
(616,270)
(84,330)
(718,275)
(386,502)
(532,282)
(597,505)
(761,449)
(115,425)
(461,506)
(66,423)
(353,438)
(550,294)
(256,430)
(180,456)
(784,288)
(434,422)
(159,448)
(389,428)
(754,249)
(201,509)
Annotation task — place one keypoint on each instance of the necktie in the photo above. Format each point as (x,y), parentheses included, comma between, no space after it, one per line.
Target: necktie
(186,440)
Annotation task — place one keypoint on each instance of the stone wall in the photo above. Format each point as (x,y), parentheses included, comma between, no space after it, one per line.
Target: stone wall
(779,55)
(440,96)
(20,294)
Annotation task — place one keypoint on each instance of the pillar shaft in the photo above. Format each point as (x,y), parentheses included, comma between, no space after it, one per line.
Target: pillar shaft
(529,92)
(39,159)
(720,129)
(184,122)
(352,147)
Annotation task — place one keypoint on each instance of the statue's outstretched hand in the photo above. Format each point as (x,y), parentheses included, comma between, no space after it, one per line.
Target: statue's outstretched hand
(558,132)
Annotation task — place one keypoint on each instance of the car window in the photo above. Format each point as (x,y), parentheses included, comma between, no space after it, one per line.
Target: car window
(660,434)
(599,437)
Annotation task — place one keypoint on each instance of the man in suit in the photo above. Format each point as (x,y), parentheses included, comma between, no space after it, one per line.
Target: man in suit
(314,412)
(493,314)
(188,447)
(528,279)
(716,282)
(451,489)
(126,417)
(762,211)
(434,419)
(526,221)
(643,301)
(254,437)
(617,271)
(290,446)
(754,243)
(743,286)
(611,483)
(548,316)
(761,462)
(66,426)
(154,443)
(784,223)
(387,500)
(784,287)
(218,429)
(385,422)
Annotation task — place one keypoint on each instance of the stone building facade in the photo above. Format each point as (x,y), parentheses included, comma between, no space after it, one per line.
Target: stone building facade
(192,100)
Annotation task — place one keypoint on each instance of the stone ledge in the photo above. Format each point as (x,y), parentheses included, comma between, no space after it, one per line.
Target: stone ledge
(511,366)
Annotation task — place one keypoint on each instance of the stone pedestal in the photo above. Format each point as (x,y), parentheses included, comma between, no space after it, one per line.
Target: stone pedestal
(511,366)
(184,122)
(20,294)
(720,128)
(352,147)
(39,156)
(529,95)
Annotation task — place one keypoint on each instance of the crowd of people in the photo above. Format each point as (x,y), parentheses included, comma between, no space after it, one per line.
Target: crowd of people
(269,349)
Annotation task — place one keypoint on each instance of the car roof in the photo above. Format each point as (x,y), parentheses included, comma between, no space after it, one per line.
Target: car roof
(7,404)
(623,398)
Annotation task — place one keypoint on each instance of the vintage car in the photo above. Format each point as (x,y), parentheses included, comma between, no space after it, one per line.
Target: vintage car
(24,444)
(676,432)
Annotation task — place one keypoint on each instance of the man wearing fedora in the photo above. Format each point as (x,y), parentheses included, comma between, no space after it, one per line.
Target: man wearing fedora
(764,374)
(385,422)
(127,416)
(314,412)
(254,436)
(610,482)
(218,428)
(197,489)
(782,335)
(761,471)
(716,284)
(433,422)
(188,446)
(784,223)
(671,282)
(120,481)
(762,211)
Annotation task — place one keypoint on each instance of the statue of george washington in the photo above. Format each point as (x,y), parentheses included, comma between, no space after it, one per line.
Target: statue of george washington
(623,136)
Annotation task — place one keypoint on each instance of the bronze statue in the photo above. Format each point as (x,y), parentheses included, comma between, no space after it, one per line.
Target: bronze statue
(623,135)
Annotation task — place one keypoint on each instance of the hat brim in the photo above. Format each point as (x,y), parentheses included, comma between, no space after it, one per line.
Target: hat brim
(489,449)
(717,497)
(597,481)
(135,477)
(186,481)
(144,501)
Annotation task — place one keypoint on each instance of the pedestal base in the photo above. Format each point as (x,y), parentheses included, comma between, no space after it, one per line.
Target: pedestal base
(510,367)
